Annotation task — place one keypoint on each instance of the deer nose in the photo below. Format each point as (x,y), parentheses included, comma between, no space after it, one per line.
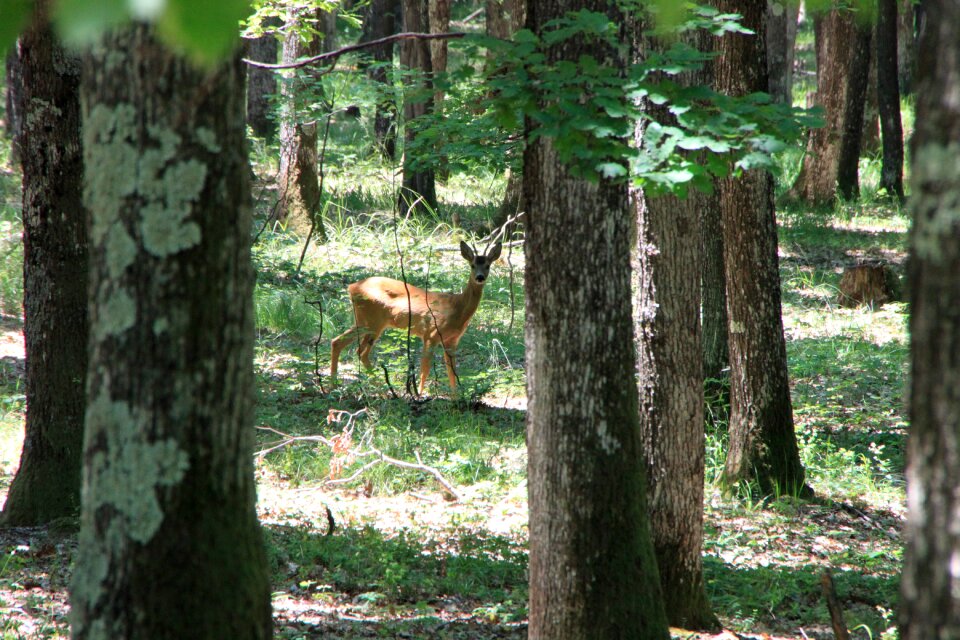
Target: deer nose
(481,277)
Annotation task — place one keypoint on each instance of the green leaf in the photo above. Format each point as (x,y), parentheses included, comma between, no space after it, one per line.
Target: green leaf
(611,170)
(80,22)
(207,30)
(15,14)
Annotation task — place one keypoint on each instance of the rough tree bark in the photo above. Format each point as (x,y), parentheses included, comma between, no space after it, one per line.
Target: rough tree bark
(930,598)
(169,545)
(380,21)
(763,447)
(888,98)
(593,574)
(298,186)
(419,184)
(836,36)
(47,484)
(261,84)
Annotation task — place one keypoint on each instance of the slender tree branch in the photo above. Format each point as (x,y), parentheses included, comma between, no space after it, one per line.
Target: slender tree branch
(332,56)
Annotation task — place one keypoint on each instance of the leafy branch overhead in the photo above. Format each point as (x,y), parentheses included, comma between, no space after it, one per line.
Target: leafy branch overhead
(590,110)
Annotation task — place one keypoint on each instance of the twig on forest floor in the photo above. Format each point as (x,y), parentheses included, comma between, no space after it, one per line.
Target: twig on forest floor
(340,445)
(833,605)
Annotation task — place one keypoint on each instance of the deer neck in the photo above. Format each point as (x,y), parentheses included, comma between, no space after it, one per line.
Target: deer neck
(470,300)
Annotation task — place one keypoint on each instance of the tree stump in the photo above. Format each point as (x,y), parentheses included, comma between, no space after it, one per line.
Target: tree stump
(872,284)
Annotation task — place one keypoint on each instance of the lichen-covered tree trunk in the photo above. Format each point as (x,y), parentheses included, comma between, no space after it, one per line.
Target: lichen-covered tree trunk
(298,185)
(419,183)
(169,546)
(261,84)
(870,142)
(835,34)
(593,574)
(671,400)
(930,588)
(888,99)
(380,21)
(47,484)
(763,447)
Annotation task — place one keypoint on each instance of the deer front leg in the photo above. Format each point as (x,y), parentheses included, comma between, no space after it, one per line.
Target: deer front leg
(449,359)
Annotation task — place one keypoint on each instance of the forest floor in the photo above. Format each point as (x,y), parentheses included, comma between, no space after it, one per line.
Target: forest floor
(403,561)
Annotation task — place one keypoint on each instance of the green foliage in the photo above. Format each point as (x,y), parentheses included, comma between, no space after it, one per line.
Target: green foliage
(16,14)
(405,567)
(206,30)
(590,108)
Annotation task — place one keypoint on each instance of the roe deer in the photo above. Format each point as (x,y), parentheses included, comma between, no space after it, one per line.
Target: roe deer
(438,318)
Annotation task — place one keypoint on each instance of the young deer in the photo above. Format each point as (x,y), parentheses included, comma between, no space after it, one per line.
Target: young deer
(438,318)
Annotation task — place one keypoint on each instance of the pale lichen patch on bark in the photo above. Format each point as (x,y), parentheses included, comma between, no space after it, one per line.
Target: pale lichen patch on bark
(107,133)
(121,250)
(935,197)
(117,313)
(208,139)
(608,442)
(127,472)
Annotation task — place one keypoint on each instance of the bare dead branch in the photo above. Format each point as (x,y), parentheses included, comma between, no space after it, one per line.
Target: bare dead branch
(332,56)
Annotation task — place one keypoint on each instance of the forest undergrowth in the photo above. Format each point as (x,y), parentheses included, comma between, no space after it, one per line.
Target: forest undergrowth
(363,547)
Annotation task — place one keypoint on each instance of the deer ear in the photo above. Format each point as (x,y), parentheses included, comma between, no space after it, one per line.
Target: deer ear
(495,252)
(466,251)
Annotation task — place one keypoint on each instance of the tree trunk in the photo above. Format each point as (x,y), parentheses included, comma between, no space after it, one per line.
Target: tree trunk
(169,544)
(713,286)
(778,60)
(439,23)
(503,18)
(671,400)
(763,448)
(47,484)
(14,84)
(593,575)
(870,141)
(261,84)
(888,98)
(836,35)
(419,184)
(848,166)
(930,600)
(380,21)
(297,183)
(906,45)
(670,374)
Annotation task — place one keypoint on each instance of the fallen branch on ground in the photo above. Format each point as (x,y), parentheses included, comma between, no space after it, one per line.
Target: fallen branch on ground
(340,445)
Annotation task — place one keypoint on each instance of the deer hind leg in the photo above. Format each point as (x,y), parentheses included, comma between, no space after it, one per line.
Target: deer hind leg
(337,345)
(425,362)
(367,340)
